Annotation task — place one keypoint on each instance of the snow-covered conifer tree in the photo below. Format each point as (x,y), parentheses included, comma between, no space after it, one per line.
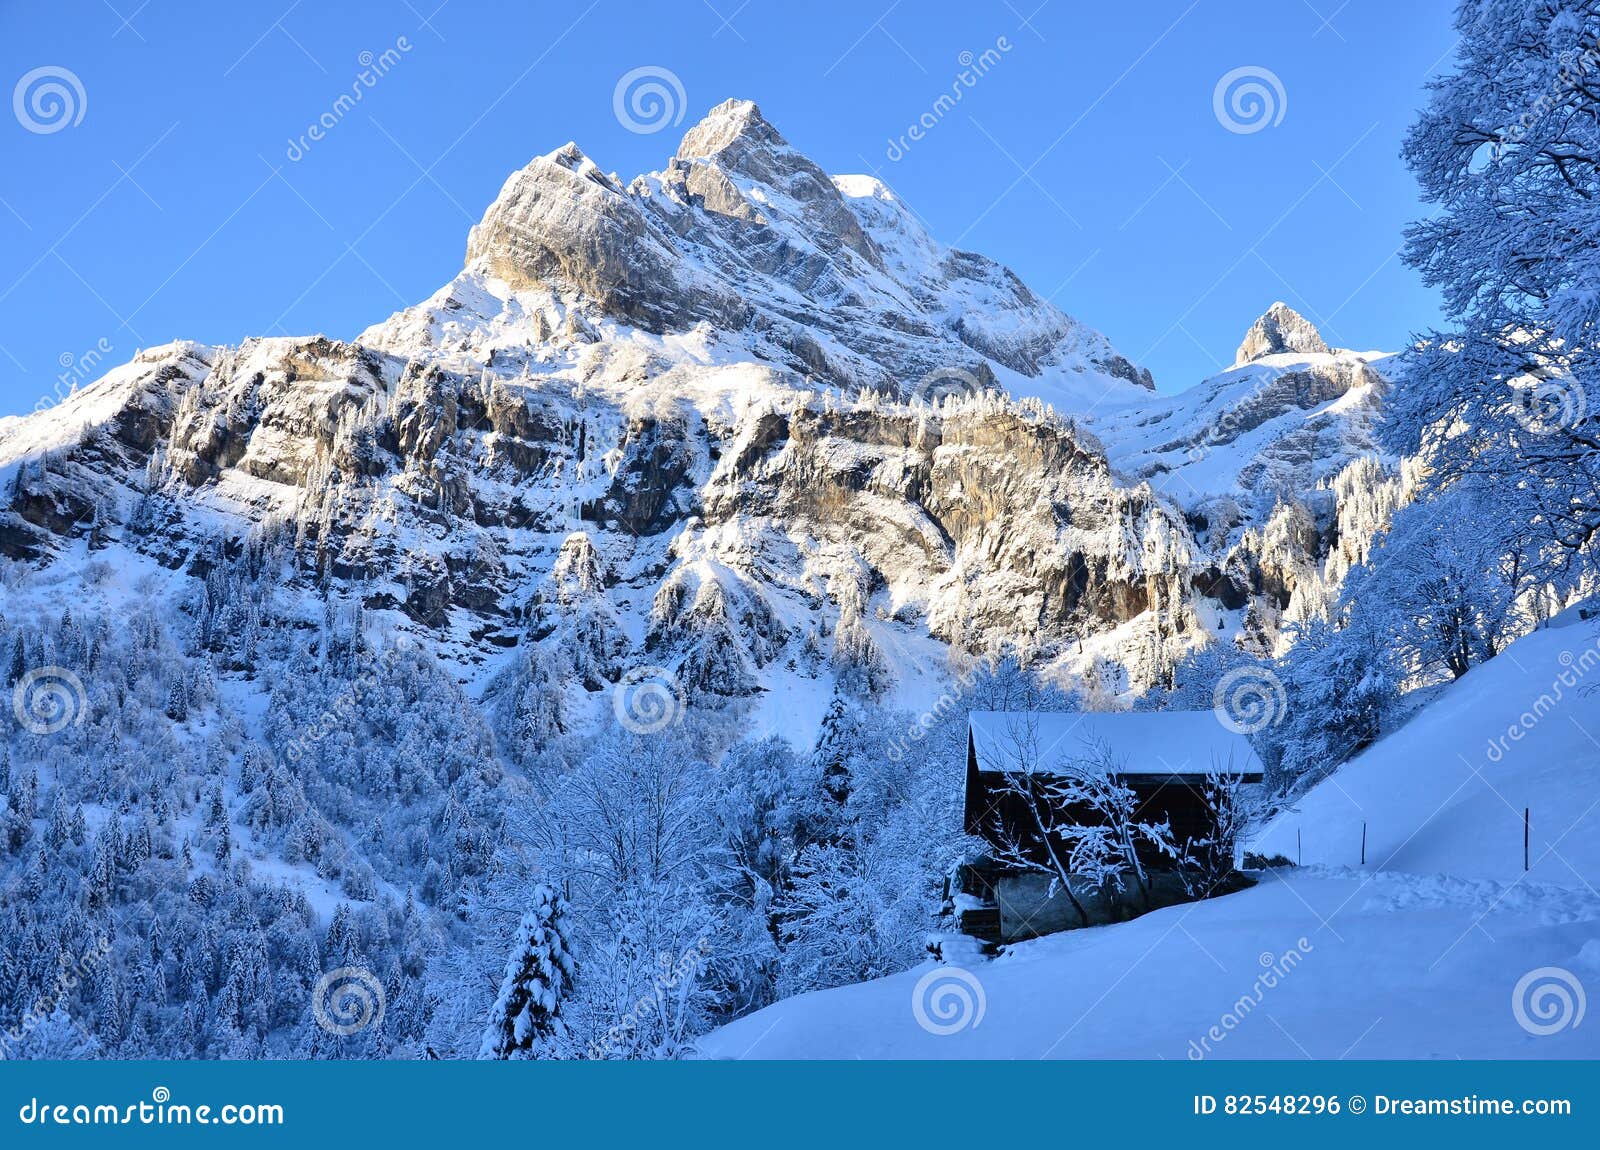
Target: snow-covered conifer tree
(526,1016)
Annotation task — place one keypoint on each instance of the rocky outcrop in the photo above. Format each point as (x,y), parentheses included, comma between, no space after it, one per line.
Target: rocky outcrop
(1280,330)
(561,222)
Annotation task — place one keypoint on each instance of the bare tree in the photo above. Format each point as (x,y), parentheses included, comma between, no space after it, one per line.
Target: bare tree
(1081,823)
(1044,844)
(1210,858)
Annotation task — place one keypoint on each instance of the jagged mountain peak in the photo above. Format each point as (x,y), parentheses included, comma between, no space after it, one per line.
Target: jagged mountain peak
(736,164)
(575,160)
(731,123)
(1280,329)
(743,249)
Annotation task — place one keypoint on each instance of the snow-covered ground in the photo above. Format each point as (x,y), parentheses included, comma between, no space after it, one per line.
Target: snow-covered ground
(1446,792)
(1390,966)
(1437,948)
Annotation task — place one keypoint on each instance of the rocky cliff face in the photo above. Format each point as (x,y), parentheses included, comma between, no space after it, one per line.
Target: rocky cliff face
(1280,330)
(737,419)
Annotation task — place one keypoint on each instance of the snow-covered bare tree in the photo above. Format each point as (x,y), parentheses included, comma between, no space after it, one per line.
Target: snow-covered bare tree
(1340,681)
(1081,822)
(1229,809)
(1509,148)
(1448,577)
(853,913)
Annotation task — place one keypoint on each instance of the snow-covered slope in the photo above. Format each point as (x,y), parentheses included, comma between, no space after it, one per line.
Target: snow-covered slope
(1446,793)
(1442,913)
(1327,964)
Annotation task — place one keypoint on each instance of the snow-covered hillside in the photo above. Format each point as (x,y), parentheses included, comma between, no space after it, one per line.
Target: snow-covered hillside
(1392,966)
(1446,793)
(1417,954)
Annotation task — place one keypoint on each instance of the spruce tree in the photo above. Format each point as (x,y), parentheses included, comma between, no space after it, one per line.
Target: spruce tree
(525,1020)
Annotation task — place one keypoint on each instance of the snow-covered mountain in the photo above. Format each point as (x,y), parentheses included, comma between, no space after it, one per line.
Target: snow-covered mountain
(742,248)
(321,654)
(1286,417)
(784,429)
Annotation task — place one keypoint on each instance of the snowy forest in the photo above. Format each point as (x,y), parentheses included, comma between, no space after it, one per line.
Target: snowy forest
(422,697)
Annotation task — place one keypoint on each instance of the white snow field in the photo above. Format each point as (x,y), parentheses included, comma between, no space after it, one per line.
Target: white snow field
(1445,794)
(1440,947)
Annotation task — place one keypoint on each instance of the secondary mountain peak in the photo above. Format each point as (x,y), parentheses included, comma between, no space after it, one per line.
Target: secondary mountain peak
(1280,329)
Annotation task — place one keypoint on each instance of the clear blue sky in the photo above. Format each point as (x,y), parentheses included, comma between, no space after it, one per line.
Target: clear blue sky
(1089,158)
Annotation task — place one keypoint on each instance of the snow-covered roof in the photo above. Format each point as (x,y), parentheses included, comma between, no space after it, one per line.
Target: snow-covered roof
(1144,743)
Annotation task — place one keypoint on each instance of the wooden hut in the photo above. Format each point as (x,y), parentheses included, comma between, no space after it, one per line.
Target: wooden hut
(1163,757)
